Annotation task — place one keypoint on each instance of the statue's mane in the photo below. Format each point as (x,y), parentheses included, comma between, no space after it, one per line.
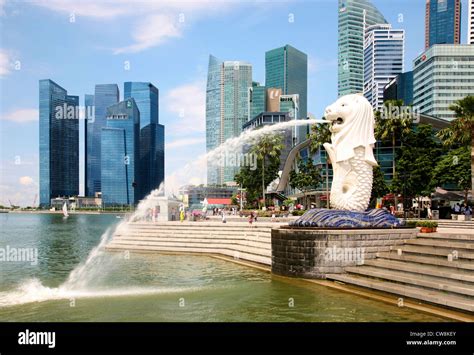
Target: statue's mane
(358,131)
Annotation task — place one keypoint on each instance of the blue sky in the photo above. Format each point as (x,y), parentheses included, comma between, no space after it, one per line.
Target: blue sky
(82,43)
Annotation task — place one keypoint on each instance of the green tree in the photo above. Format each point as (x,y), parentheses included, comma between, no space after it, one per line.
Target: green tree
(306,178)
(268,151)
(461,130)
(454,168)
(379,186)
(415,163)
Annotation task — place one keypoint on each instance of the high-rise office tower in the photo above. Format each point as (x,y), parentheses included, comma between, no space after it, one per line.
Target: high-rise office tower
(442,22)
(442,75)
(354,17)
(470,22)
(152,135)
(88,121)
(105,95)
(58,142)
(286,68)
(383,60)
(257,99)
(120,147)
(400,88)
(227,91)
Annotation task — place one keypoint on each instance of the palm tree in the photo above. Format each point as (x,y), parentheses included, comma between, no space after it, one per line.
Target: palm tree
(268,147)
(392,127)
(319,135)
(461,130)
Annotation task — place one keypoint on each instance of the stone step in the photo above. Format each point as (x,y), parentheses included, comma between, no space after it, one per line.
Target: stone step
(436,271)
(419,293)
(195,225)
(178,246)
(192,232)
(447,236)
(428,260)
(193,242)
(414,279)
(427,250)
(454,245)
(208,237)
(237,255)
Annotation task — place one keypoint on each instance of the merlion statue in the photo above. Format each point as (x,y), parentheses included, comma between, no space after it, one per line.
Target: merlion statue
(351,152)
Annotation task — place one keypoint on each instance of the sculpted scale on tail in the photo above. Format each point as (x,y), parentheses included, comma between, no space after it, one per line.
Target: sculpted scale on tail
(351,152)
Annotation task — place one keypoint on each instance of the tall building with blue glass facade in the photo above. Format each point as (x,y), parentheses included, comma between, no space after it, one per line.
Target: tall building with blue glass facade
(400,88)
(120,147)
(257,100)
(58,142)
(88,121)
(442,22)
(105,95)
(354,17)
(152,135)
(227,92)
(383,60)
(286,68)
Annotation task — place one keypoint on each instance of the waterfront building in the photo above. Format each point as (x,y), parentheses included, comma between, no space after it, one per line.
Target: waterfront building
(286,68)
(271,118)
(442,75)
(58,142)
(400,88)
(104,96)
(194,196)
(152,135)
(257,100)
(88,138)
(354,17)
(442,22)
(383,60)
(227,92)
(120,144)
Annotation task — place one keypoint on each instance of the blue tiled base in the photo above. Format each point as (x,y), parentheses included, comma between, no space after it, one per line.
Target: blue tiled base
(325,218)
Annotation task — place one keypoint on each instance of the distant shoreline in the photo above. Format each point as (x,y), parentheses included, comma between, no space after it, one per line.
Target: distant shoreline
(60,212)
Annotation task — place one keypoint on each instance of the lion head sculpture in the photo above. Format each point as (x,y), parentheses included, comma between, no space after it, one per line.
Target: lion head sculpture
(352,125)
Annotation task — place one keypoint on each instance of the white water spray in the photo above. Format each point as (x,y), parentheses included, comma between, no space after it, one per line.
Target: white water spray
(78,283)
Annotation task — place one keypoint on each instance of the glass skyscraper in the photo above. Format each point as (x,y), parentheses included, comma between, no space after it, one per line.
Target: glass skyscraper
(120,146)
(400,88)
(286,68)
(257,100)
(383,60)
(58,142)
(354,17)
(152,135)
(105,95)
(441,75)
(227,91)
(443,22)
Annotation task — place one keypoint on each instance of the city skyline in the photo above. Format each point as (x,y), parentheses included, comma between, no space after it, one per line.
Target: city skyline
(181,83)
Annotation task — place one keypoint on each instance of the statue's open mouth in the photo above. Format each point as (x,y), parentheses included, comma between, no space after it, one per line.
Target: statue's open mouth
(339,121)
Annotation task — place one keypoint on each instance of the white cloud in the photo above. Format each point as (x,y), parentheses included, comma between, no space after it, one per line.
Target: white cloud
(188,103)
(22,115)
(26,180)
(185,142)
(151,32)
(156,20)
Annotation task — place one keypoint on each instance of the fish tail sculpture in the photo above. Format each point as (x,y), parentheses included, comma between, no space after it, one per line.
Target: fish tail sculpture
(351,152)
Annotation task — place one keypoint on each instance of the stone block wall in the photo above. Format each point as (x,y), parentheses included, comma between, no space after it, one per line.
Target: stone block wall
(311,253)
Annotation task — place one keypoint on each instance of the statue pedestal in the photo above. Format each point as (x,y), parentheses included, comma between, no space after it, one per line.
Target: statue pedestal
(326,218)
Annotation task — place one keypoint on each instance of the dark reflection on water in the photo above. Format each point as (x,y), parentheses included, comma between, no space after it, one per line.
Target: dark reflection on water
(164,287)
